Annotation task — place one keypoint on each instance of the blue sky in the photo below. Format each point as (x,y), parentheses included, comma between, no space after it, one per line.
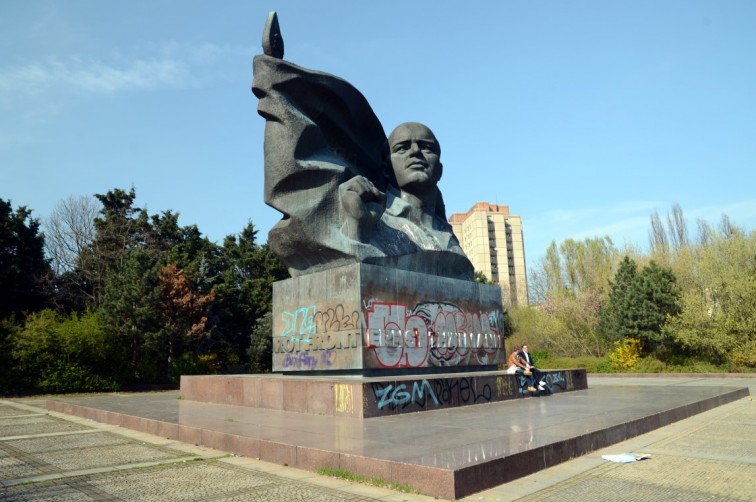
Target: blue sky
(584,117)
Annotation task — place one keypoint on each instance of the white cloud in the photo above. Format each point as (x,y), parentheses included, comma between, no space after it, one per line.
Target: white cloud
(169,66)
(93,76)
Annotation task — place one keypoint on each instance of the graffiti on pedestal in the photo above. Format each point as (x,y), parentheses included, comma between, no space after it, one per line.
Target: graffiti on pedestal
(429,394)
(431,334)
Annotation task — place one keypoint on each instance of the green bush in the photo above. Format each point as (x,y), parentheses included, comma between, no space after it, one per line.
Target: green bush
(61,377)
(55,353)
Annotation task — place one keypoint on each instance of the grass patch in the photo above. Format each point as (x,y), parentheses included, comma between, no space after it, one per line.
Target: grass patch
(365,480)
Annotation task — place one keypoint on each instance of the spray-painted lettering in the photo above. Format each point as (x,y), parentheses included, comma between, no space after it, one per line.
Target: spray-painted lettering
(393,397)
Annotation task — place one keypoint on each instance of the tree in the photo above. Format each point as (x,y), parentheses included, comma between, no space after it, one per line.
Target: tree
(639,304)
(183,314)
(654,297)
(481,278)
(718,301)
(69,235)
(23,267)
(70,230)
(118,228)
(612,314)
(575,332)
(678,228)
(128,314)
(657,237)
(575,266)
(244,286)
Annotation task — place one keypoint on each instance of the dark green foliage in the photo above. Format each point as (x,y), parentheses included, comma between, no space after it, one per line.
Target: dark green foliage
(612,316)
(654,297)
(129,316)
(243,288)
(24,271)
(161,299)
(639,305)
(8,376)
(261,345)
(481,278)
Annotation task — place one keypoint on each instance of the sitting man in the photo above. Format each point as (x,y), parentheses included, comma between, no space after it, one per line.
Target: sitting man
(528,365)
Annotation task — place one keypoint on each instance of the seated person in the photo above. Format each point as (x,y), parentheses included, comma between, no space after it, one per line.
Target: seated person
(518,366)
(528,365)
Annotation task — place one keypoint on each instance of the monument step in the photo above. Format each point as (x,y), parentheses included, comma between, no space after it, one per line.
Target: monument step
(368,397)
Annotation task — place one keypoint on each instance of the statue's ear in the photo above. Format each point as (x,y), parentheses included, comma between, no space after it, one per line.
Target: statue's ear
(440,171)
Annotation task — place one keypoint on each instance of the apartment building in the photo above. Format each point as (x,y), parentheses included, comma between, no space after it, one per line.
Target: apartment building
(492,239)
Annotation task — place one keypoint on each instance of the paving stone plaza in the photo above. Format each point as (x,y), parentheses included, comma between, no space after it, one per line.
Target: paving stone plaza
(50,456)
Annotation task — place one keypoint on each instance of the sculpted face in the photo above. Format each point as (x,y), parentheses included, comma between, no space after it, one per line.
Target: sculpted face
(415,158)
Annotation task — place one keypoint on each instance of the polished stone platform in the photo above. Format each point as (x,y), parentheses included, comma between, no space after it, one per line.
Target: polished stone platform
(449,453)
(367,397)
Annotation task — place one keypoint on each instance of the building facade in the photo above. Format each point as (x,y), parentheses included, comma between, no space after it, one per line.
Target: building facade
(492,239)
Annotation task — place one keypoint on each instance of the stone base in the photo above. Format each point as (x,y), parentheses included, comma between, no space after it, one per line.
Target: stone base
(364,319)
(362,397)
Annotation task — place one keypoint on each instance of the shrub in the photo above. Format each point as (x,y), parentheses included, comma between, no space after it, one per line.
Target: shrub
(625,354)
(744,358)
(62,377)
(54,353)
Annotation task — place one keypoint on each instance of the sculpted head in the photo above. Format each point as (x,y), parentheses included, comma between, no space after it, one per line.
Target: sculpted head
(415,158)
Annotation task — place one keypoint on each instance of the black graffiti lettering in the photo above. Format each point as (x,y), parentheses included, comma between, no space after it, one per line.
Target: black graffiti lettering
(462,391)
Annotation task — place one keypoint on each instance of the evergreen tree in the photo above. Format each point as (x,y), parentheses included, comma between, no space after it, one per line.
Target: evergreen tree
(129,316)
(639,304)
(653,298)
(244,287)
(24,271)
(612,322)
